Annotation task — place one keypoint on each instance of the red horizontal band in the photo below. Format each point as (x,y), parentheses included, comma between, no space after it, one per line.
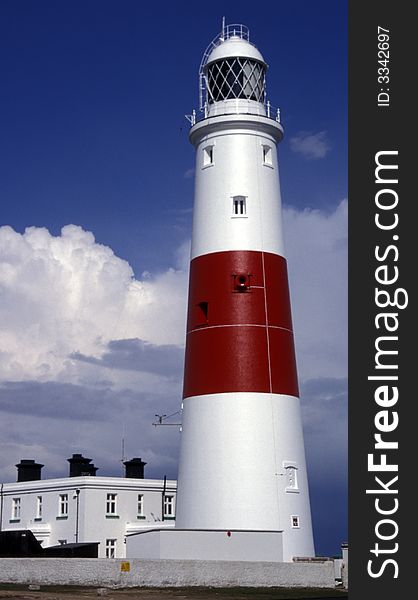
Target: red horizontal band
(239,325)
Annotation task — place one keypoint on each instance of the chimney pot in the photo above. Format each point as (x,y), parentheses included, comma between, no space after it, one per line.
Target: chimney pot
(80,466)
(134,468)
(28,470)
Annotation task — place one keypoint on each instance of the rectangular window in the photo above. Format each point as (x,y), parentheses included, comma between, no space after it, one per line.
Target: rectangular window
(140,505)
(291,476)
(201,314)
(63,505)
(208,156)
(111,548)
(111,504)
(295,522)
(16,505)
(38,507)
(267,156)
(168,506)
(239,208)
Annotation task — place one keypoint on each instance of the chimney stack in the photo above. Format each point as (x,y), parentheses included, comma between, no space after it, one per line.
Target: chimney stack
(28,470)
(80,466)
(134,468)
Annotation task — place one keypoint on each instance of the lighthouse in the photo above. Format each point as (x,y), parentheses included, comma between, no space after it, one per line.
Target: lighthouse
(242,459)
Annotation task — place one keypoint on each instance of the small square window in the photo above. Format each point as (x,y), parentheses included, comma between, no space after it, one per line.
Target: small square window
(111,504)
(111,548)
(291,478)
(295,522)
(267,156)
(63,505)
(38,507)
(140,505)
(16,505)
(208,156)
(201,314)
(239,206)
(168,506)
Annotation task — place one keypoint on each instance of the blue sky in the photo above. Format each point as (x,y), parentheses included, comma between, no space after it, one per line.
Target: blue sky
(93,133)
(93,104)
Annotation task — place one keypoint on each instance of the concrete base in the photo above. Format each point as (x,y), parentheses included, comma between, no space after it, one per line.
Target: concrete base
(206,544)
(116,573)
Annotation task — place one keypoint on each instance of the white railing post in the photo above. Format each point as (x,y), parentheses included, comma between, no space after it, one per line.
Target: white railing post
(268,108)
(278,115)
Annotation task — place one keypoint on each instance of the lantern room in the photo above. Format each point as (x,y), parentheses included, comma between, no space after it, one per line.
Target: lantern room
(232,74)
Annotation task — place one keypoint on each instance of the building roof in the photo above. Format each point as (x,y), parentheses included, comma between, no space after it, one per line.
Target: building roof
(87,482)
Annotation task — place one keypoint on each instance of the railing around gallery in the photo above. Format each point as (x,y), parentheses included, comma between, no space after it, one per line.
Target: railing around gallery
(235,108)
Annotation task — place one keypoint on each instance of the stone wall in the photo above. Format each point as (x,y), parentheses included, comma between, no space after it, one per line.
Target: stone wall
(163,573)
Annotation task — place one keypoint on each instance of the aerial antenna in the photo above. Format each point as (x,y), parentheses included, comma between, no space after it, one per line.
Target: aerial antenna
(162,418)
(123,457)
(222,38)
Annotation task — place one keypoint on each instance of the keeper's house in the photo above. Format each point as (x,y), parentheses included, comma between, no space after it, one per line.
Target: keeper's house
(87,508)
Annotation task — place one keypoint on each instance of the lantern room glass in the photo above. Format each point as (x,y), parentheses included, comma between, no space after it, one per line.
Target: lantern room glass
(236,77)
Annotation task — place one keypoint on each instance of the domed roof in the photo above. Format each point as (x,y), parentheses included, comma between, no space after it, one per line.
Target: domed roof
(235,46)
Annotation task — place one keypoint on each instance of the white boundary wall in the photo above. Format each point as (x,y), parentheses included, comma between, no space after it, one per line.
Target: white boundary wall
(186,544)
(164,573)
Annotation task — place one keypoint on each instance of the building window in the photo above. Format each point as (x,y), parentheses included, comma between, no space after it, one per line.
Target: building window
(38,507)
(291,478)
(208,156)
(168,506)
(63,505)
(267,156)
(239,208)
(140,505)
(16,506)
(201,314)
(111,548)
(111,504)
(295,522)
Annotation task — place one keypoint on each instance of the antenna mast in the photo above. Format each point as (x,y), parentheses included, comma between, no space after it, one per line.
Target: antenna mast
(123,457)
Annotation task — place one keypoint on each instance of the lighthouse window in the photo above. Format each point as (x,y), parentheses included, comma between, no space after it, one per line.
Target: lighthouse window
(208,156)
(295,522)
(201,314)
(236,77)
(239,208)
(267,156)
(291,479)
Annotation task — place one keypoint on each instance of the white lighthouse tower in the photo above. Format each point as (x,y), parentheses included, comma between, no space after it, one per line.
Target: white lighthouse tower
(242,460)
(242,486)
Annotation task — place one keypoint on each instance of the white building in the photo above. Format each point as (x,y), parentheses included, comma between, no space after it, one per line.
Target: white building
(87,508)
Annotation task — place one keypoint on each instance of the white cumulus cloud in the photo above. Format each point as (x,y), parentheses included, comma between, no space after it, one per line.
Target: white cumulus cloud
(310,145)
(88,349)
(316,244)
(67,294)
